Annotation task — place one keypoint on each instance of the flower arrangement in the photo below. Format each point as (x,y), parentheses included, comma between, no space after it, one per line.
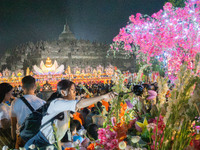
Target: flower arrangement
(163,125)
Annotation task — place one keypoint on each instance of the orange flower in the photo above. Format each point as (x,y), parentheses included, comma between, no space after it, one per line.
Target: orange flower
(106,104)
(89,107)
(121,129)
(69,148)
(122,110)
(87,96)
(79,117)
(91,146)
(168,94)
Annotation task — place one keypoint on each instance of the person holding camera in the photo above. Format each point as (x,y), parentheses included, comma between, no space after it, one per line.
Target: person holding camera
(61,103)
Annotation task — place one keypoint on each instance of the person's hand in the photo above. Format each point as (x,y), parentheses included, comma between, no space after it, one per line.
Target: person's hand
(109,96)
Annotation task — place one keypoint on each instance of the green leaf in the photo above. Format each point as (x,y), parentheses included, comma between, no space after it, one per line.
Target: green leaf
(145,135)
(142,143)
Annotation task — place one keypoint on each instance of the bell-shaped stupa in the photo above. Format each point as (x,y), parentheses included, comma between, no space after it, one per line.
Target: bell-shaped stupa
(67,34)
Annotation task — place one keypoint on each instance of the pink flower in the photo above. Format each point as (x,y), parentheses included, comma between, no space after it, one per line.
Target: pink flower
(138,128)
(107,138)
(113,121)
(152,95)
(132,18)
(159,126)
(197,127)
(167,6)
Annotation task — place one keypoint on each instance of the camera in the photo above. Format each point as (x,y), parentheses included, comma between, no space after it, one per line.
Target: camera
(138,90)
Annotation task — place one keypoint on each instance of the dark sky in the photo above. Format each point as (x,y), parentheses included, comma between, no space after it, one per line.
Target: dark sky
(96,20)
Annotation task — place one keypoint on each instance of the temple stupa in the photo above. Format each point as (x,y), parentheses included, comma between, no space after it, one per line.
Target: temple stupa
(67,34)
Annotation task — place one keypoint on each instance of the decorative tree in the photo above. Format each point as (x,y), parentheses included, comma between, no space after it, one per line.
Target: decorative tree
(171,35)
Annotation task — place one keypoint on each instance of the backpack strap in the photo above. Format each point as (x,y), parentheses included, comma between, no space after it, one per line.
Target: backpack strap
(27,103)
(43,110)
(51,120)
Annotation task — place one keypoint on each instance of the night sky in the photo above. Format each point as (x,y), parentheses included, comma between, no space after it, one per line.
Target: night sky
(22,21)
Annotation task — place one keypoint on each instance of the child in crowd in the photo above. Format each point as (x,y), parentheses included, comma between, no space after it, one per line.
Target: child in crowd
(68,140)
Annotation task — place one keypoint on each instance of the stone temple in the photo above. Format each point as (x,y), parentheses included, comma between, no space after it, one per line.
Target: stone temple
(67,50)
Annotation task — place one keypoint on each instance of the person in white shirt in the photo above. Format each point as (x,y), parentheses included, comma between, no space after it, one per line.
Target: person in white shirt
(19,110)
(6,91)
(65,89)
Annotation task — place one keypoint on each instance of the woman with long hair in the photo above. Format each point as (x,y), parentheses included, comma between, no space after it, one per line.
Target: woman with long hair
(6,91)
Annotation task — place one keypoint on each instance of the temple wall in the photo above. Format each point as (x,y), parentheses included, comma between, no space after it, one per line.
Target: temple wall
(74,53)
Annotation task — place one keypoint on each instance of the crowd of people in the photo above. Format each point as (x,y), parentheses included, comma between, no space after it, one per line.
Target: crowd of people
(96,89)
(72,117)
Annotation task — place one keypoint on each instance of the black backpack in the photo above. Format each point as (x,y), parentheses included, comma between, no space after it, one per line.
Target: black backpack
(32,124)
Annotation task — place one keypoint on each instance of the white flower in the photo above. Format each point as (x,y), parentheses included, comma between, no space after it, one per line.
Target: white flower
(129,147)
(51,147)
(22,148)
(97,147)
(135,139)
(5,147)
(122,145)
(32,146)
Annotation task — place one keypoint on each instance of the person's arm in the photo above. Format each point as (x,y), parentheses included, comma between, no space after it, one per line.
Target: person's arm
(58,106)
(4,118)
(89,101)
(13,120)
(5,123)
(13,127)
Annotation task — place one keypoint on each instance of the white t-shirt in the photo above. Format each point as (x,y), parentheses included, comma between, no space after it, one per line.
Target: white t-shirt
(4,112)
(57,106)
(20,110)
